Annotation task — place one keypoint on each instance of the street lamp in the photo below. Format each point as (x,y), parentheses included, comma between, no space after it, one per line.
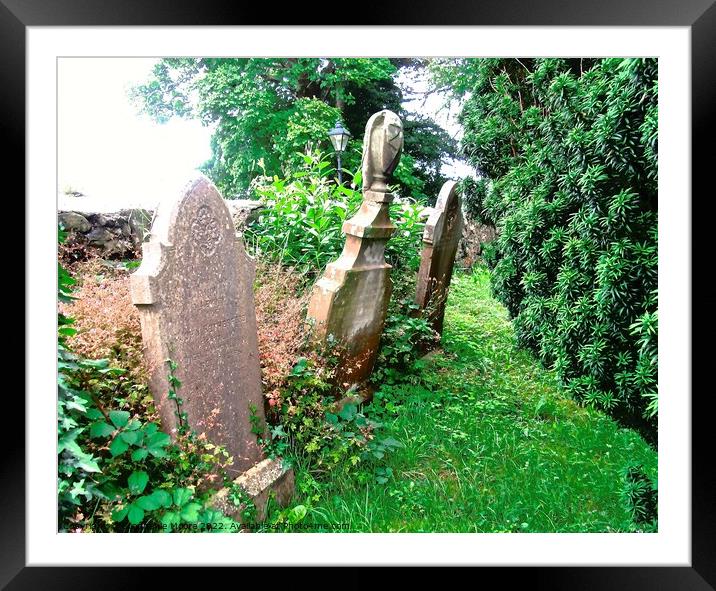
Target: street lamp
(339,138)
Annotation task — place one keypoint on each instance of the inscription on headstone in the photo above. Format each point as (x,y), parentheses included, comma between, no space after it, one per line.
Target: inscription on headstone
(195,297)
(440,239)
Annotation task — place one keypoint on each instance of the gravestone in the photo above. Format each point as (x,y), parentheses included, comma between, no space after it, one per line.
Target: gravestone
(349,302)
(441,236)
(194,293)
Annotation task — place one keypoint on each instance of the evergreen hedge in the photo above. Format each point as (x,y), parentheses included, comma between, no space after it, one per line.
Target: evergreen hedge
(567,152)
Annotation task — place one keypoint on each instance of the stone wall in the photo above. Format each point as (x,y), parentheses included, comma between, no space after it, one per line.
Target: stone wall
(119,235)
(473,235)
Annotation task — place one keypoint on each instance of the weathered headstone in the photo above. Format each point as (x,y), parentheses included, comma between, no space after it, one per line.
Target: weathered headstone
(440,239)
(195,298)
(350,301)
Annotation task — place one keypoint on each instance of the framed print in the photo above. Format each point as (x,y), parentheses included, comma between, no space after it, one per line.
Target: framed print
(54,49)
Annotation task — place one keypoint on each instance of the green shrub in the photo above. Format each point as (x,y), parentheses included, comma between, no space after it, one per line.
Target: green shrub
(640,495)
(310,428)
(302,224)
(568,149)
(119,472)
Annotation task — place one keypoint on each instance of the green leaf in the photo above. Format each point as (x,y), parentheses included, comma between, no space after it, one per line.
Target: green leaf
(131,437)
(390,442)
(133,425)
(297,514)
(135,514)
(348,412)
(117,447)
(100,429)
(119,418)
(190,512)
(162,497)
(182,496)
(119,514)
(139,454)
(88,463)
(170,519)
(300,366)
(158,439)
(137,481)
(148,503)
(94,414)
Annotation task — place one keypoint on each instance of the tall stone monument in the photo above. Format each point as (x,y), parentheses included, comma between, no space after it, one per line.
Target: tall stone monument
(194,294)
(349,302)
(440,239)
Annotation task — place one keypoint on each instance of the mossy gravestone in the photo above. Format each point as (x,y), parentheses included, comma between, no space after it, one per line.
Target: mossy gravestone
(194,292)
(349,302)
(440,239)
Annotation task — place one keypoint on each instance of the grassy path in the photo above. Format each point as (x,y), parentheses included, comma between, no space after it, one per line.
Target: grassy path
(490,444)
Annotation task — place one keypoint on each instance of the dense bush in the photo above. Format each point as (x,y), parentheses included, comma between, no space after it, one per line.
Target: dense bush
(302,224)
(568,154)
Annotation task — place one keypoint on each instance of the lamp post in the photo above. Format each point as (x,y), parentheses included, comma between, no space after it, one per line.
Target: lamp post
(339,138)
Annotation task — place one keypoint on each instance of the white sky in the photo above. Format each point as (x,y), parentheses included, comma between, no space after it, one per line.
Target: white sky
(109,152)
(118,158)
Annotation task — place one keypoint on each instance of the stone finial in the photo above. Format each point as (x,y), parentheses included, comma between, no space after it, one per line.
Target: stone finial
(440,239)
(350,301)
(382,147)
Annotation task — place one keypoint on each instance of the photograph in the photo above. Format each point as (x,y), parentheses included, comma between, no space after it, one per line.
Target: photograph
(357,294)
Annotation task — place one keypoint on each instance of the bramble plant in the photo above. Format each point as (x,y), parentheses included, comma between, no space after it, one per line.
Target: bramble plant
(116,471)
(302,224)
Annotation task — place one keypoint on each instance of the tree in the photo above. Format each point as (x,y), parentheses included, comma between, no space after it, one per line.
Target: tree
(568,154)
(265,111)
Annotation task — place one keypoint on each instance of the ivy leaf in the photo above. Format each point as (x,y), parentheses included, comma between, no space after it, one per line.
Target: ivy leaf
(137,482)
(300,366)
(88,463)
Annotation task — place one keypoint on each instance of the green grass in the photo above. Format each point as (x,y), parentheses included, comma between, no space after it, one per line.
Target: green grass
(490,444)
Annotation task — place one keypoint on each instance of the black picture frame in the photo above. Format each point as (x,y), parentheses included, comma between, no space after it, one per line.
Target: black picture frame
(699,15)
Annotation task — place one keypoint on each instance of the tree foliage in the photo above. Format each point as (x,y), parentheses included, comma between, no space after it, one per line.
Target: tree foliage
(265,111)
(567,152)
